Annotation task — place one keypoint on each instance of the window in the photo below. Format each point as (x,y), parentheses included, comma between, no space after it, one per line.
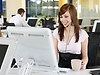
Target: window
(41,8)
(4,7)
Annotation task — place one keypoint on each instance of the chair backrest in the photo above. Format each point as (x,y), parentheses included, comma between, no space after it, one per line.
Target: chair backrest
(49,24)
(9,24)
(92,21)
(93,47)
(80,21)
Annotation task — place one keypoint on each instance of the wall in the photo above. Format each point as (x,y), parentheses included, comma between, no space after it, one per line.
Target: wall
(12,7)
(61,2)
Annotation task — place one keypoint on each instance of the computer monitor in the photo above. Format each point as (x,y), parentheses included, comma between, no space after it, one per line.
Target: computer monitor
(32,21)
(7,49)
(96,26)
(35,43)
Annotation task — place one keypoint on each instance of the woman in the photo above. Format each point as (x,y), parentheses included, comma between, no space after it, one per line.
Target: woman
(70,41)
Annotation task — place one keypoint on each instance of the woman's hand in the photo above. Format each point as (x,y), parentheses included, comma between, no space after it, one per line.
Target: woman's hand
(84,63)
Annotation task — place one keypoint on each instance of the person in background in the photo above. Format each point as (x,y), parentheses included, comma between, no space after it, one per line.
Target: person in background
(70,41)
(1,19)
(18,19)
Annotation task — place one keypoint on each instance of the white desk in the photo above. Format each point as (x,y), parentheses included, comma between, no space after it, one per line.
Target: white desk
(82,72)
(70,72)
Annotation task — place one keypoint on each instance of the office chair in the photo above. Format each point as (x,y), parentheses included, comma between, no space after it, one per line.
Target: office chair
(6,24)
(92,21)
(93,47)
(9,24)
(80,21)
(49,24)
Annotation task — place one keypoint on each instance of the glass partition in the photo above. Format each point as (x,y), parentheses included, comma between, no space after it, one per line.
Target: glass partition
(88,10)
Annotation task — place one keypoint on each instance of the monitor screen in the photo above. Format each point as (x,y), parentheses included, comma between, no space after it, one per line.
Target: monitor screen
(3,49)
(32,22)
(7,49)
(96,26)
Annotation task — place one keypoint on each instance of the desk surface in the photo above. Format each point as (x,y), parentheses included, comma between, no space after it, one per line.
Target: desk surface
(81,72)
(70,72)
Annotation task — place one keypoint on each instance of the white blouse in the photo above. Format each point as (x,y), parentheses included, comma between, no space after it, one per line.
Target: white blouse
(18,21)
(72,47)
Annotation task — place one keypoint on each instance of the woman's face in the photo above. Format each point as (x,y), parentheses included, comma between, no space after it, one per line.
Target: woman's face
(66,19)
(22,14)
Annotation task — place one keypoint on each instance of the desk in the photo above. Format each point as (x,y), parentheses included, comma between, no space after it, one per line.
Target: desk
(86,26)
(70,72)
(81,72)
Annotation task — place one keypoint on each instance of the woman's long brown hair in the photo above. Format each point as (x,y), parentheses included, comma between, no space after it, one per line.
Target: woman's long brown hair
(73,13)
